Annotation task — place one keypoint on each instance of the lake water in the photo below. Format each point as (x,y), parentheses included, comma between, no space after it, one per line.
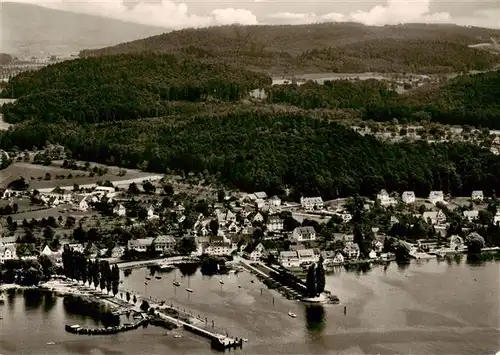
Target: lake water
(429,307)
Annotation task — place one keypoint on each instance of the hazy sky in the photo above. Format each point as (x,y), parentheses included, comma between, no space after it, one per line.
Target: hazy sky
(194,13)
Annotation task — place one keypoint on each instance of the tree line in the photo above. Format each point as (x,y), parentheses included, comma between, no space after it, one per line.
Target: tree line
(98,272)
(253,151)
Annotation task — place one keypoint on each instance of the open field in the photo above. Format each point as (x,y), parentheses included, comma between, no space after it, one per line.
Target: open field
(29,171)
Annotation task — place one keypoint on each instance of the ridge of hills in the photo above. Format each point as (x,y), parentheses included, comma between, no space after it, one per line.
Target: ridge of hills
(331,47)
(30,29)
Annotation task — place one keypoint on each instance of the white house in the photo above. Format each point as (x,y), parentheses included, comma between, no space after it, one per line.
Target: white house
(274,223)
(164,243)
(256,252)
(379,246)
(275,201)
(105,189)
(7,252)
(303,234)
(471,215)
(307,256)
(477,195)
(434,217)
(140,244)
(384,199)
(496,219)
(260,203)
(151,212)
(54,255)
(408,197)
(346,217)
(230,217)
(218,248)
(6,193)
(258,218)
(80,203)
(456,242)
(436,196)
(351,250)
(260,195)
(289,259)
(119,210)
(310,203)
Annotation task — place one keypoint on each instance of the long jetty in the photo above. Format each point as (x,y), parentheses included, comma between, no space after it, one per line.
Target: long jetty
(218,342)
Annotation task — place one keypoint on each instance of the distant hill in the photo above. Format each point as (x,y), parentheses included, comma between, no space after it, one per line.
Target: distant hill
(30,29)
(332,47)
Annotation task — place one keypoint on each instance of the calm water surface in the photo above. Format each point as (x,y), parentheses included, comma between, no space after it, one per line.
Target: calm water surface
(426,308)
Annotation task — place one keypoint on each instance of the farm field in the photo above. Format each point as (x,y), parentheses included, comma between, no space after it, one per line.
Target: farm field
(35,175)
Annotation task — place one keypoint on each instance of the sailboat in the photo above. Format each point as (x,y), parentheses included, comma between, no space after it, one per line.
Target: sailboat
(221,282)
(189,289)
(176,283)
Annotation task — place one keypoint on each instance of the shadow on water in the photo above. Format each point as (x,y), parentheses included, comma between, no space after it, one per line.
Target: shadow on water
(403,265)
(315,320)
(475,260)
(33,299)
(127,272)
(358,269)
(86,308)
(188,269)
(11,298)
(49,301)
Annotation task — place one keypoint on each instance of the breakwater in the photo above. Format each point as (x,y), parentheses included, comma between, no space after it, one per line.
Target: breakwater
(76,329)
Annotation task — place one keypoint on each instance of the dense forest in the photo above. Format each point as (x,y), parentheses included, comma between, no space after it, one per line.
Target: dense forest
(398,56)
(257,151)
(338,47)
(122,87)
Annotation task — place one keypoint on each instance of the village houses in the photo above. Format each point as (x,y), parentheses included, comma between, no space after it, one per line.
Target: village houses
(303,234)
(275,201)
(331,257)
(434,217)
(7,252)
(310,203)
(351,250)
(141,244)
(255,252)
(471,215)
(164,243)
(274,223)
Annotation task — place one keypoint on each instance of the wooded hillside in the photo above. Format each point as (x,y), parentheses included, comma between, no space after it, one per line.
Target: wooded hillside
(339,47)
(122,87)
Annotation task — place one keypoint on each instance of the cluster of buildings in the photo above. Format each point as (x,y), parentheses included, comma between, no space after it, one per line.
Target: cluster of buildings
(408,197)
